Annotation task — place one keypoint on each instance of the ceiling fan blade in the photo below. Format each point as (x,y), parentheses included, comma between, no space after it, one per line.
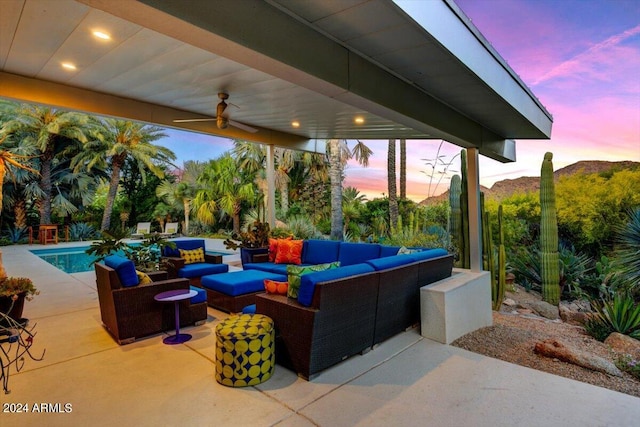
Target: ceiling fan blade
(242,126)
(193,120)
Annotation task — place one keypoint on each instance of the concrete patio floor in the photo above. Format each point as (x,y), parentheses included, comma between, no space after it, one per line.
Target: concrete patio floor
(408,380)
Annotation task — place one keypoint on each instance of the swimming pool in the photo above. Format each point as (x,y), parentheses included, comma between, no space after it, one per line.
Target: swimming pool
(75,259)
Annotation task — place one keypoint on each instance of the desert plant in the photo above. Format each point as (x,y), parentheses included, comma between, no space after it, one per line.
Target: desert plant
(549,261)
(620,313)
(15,234)
(82,231)
(13,286)
(256,236)
(109,244)
(628,364)
(628,252)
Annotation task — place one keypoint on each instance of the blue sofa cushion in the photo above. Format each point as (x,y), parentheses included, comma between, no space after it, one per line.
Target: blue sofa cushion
(240,282)
(125,269)
(267,266)
(356,253)
(308,281)
(320,251)
(390,262)
(427,254)
(201,269)
(189,244)
(201,297)
(386,251)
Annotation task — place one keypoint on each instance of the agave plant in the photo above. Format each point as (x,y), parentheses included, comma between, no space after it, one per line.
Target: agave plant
(620,314)
(82,231)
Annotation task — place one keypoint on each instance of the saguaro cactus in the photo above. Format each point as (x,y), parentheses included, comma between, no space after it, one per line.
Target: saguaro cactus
(549,261)
(502,268)
(455,229)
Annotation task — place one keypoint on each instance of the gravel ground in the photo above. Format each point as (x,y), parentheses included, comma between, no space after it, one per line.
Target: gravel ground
(513,337)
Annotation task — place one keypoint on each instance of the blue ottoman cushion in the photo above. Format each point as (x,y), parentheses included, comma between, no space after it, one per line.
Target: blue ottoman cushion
(240,282)
(201,269)
(201,297)
(250,309)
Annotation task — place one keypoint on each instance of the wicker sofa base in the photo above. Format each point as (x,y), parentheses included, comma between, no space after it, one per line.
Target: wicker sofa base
(228,303)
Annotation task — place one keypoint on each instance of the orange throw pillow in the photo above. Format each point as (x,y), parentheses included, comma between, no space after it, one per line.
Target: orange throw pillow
(273,249)
(289,252)
(273,287)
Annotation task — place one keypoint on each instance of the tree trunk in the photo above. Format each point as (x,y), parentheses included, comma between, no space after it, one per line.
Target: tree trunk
(284,197)
(111,195)
(335,176)
(45,186)
(236,219)
(403,168)
(391,182)
(187,213)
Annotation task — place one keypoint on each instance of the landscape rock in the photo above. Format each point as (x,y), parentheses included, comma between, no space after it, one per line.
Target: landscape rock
(509,302)
(544,309)
(573,317)
(624,344)
(555,349)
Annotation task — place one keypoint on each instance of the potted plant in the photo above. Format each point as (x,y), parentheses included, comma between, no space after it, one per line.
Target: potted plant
(13,292)
(251,242)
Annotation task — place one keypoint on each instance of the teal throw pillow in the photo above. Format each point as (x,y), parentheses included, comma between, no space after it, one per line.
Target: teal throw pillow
(294,272)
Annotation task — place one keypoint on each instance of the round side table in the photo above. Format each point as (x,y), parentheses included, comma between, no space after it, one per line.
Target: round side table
(176,296)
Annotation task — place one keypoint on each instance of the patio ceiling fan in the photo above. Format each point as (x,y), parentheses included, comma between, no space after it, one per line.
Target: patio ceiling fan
(222,120)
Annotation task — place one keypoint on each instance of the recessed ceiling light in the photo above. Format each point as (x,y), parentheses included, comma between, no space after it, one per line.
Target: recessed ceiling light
(102,35)
(359,120)
(295,124)
(68,66)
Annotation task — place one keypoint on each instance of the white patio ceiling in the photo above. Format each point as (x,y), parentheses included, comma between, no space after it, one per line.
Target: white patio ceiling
(318,62)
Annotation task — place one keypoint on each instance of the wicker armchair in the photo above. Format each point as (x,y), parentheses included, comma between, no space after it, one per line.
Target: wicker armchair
(131,312)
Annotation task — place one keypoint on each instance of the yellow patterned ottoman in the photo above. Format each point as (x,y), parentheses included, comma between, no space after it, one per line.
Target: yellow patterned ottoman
(245,350)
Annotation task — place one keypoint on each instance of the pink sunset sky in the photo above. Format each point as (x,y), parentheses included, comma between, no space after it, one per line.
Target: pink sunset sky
(581,58)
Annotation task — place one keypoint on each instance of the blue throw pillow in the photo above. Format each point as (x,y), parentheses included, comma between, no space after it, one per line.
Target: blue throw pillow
(125,269)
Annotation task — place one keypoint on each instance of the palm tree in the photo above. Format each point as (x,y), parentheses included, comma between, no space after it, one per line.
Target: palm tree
(56,134)
(391,183)
(183,191)
(403,169)
(223,188)
(8,159)
(284,161)
(117,141)
(339,154)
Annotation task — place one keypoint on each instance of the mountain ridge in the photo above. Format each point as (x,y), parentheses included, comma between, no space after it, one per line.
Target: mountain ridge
(507,187)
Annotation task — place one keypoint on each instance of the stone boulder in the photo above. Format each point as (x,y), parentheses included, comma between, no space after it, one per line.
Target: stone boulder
(573,317)
(558,350)
(624,344)
(544,309)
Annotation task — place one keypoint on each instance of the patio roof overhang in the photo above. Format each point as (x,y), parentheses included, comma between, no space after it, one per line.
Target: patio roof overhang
(412,70)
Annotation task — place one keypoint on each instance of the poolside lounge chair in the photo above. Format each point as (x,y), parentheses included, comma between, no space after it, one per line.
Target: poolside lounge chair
(170,229)
(141,229)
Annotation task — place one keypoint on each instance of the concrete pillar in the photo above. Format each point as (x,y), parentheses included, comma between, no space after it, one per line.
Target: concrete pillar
(475,219)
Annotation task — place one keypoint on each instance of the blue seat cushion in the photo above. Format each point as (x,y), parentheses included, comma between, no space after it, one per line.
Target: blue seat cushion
(125,269)
(390,262)
(189,244)
(201,269)
(427,254)
(320,251)
(240,282)
(270,267)
(249,309)
(386,251)
(308,281)
(356,253)
(201,297)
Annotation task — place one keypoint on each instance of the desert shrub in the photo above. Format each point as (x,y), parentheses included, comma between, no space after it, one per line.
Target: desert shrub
(597,328)
(302,228)
(628,250)
(82,231)
(15,234)
(628,364)
(620,314)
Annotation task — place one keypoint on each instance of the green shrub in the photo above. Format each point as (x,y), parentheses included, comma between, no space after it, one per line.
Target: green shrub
(620,313)
(82,231)
(628,364)
(598,329)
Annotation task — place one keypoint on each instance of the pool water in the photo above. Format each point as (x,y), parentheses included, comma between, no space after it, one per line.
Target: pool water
(75,260)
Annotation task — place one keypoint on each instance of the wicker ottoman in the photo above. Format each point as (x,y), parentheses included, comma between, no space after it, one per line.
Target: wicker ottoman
(245,350)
